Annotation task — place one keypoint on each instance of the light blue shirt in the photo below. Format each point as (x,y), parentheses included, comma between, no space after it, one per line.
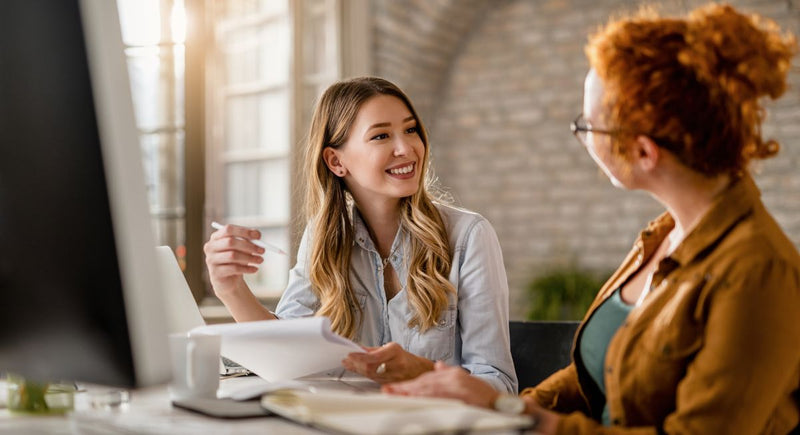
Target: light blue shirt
(472,332)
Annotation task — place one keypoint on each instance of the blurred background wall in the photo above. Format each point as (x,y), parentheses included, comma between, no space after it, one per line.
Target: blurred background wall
(497,84)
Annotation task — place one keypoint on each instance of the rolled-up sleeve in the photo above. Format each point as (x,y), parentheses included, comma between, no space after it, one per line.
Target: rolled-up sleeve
(483,308)
(298,300)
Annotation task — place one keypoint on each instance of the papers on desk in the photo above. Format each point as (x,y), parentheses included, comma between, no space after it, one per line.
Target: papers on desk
(285,349)
(375,413)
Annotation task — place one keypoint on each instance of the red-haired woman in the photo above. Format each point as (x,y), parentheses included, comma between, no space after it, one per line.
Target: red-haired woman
(697,331)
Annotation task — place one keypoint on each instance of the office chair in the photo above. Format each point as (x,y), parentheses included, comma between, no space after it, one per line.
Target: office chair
(540,348)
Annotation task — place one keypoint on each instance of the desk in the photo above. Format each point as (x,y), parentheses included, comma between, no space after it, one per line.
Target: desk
(148,412)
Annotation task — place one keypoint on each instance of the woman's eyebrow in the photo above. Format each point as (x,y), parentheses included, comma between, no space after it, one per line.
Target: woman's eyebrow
(389,124)
(380,124)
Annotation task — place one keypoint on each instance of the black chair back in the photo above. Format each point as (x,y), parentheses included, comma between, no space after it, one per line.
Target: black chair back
(540,348)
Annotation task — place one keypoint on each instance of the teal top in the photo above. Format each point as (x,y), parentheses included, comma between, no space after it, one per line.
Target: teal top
(597,334)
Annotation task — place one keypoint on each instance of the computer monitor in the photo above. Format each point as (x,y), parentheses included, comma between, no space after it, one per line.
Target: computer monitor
(79,294)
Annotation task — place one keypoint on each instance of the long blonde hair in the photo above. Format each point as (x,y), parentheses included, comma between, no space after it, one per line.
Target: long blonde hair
(330,217)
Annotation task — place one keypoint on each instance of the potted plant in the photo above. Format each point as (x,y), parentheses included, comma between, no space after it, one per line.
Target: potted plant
(563,293)
(35,397)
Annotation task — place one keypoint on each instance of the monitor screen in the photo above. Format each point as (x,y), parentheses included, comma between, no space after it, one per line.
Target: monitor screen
(80,296)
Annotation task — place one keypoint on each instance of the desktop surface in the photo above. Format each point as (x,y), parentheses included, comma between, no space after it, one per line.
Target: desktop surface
(149,411)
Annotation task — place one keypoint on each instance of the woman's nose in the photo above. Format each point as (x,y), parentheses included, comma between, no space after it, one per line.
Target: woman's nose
(402,146)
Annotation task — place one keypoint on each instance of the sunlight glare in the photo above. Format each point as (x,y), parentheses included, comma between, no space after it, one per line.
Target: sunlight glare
(178,22)
(139,20)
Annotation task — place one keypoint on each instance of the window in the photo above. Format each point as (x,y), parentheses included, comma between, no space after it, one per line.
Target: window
(222,110)
(271,60)
(153,32)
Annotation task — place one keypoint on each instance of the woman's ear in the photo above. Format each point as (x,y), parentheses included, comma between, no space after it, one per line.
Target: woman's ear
(646,154)
(331,157)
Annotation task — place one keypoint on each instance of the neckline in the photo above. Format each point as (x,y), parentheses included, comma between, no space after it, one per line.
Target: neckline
(386,261)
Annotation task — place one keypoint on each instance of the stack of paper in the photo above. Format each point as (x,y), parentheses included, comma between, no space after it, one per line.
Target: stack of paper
(375,413)
(279,350)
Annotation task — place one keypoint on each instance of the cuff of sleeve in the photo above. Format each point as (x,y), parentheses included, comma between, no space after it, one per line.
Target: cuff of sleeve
(547,399)
(497,382)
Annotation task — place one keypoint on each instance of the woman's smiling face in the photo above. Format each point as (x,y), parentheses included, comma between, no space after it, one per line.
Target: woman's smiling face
(383,155)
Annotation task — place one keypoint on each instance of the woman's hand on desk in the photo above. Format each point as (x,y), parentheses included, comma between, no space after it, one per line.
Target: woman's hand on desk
(388,363)
(452,382)
(456,383)
(229,255)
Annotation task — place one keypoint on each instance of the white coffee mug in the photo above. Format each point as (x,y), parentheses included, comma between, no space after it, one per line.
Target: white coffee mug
(195,366)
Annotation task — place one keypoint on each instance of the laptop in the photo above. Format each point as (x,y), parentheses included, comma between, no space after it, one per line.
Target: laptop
(183,314)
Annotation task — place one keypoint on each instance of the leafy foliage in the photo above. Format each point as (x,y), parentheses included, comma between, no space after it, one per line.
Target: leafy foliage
(564,293)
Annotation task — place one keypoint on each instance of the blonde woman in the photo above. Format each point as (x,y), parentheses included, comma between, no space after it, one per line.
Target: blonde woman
(697,331)
(413,280)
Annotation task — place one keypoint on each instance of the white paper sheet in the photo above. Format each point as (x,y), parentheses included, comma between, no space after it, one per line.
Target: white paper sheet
(279,350)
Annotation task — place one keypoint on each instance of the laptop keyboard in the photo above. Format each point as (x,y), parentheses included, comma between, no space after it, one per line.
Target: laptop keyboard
(232,367)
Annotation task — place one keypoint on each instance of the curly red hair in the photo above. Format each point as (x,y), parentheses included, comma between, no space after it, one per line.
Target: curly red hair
(693,84)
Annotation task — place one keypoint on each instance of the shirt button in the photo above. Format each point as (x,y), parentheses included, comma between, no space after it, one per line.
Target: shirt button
(609,370)
(616,422)
(442,322)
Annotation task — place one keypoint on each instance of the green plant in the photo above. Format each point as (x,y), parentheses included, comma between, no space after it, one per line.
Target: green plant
(33,397)
(564,293)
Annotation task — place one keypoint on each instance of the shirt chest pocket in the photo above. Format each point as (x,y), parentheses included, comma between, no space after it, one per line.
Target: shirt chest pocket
(438,342)
(672,344)
(669,343)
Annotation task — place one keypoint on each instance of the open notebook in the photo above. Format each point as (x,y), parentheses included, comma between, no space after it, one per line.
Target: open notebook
(375,413)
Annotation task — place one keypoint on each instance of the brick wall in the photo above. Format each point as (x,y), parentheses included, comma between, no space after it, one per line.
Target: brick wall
(416,42)
(497,83)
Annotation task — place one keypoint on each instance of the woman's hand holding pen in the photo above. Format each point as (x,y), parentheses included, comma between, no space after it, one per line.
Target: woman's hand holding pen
(229,255)
(388,363)
(231,252)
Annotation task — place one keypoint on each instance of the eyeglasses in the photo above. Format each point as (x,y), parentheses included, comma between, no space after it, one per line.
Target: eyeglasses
(580,129)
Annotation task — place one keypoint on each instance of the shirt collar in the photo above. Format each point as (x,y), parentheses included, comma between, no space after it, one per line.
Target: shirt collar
(361,232)
(363,239)
(728,208)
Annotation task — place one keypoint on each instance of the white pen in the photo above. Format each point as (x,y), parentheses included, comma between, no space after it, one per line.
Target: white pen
(259,243)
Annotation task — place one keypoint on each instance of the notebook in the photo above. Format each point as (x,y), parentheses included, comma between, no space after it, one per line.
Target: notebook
(182,310)
(374,413)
